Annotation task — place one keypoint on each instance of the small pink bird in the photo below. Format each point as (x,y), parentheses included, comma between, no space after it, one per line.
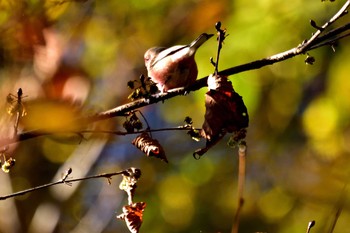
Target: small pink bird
(175,66)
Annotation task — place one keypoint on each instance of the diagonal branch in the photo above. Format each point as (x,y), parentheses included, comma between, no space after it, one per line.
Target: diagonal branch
(303,47)
(64,180)
(317,40)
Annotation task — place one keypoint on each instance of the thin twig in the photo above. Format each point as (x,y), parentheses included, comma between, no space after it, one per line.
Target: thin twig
(310,225)
(314,42)
(339,209)
(330,42)
(221,37)
(144,118)
(303,47)
(242,149)
(332,33)
(64,180)
(336,217)
(123,133)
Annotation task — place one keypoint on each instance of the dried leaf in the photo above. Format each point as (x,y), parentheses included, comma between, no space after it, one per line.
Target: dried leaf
(132,123)
(149,146)
(132,215)
(128,184)
(142,88)
(225,111)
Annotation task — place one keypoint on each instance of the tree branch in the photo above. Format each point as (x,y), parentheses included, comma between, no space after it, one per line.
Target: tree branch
(64,180)
(303,47)
(317,40)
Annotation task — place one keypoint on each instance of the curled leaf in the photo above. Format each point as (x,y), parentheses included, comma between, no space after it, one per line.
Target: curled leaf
(132,215)
(132,123)
(149,146)
(310,60)
(142,88)
(225,111)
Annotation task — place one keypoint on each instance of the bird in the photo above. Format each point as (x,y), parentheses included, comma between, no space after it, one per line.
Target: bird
(175,66)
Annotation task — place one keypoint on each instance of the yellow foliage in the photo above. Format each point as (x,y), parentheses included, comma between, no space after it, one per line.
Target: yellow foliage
(51,116)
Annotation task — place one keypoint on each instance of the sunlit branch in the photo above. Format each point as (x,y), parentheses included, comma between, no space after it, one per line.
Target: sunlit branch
(64,180)
(318,39)
(303,47)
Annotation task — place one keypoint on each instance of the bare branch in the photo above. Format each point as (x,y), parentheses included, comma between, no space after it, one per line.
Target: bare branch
(64,180)
(303,47)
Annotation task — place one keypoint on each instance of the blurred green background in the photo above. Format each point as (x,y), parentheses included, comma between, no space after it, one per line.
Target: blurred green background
(85,52)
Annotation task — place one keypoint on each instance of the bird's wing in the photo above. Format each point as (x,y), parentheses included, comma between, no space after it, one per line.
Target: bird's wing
(167,52)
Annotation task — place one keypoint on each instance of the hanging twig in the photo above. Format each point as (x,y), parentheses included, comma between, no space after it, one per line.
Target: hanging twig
(339,208)
(242,149)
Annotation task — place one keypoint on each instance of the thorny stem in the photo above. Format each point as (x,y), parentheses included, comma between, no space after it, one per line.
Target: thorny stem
(242,149)
(314,42)
(64,180)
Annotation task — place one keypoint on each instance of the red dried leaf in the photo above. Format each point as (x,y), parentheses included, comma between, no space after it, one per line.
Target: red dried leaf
(132,215)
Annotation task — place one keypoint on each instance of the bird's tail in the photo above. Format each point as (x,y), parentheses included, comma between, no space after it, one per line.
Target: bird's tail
(199,41)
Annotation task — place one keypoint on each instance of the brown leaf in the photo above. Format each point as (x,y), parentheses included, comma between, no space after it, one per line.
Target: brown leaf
(149,146)
(225,111)
(132,215)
